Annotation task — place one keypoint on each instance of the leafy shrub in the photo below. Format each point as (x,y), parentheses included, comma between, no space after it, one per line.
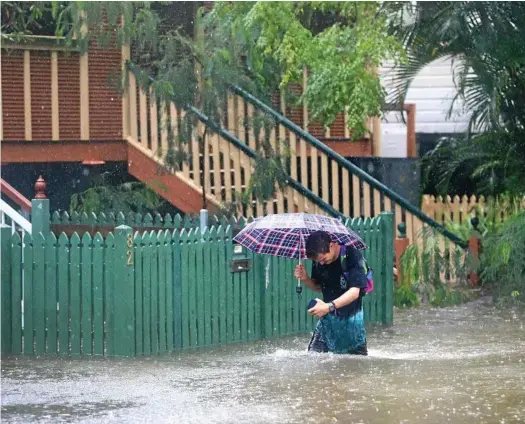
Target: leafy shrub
(503,260)
(431,272)
(501,227)
(125,197)
(405,296)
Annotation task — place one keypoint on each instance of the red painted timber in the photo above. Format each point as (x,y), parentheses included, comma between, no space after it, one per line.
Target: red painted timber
(169,186)
(63,151)
(15,195)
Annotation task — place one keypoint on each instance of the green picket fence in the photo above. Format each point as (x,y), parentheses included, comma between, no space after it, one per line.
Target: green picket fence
(207,304)
(59,220)
(218,306)
(155,292)
(66,296)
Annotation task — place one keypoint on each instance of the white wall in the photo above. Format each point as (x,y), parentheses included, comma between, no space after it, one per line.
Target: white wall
(432,92)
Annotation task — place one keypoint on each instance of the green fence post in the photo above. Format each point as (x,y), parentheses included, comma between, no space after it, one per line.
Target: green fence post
(123,294)
(6,339)
(387,230)
(40,209)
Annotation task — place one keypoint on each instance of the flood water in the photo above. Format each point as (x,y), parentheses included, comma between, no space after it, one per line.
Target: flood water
(460,365)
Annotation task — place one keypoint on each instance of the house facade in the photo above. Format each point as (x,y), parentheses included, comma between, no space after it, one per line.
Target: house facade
(432,92)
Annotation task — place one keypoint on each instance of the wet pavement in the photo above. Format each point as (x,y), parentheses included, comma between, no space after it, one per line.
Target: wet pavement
(460,365)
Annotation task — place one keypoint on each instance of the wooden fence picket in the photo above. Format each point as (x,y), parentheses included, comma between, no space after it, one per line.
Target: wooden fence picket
(175,289)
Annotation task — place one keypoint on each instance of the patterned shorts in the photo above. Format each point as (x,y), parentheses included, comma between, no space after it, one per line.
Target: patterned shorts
(340,335)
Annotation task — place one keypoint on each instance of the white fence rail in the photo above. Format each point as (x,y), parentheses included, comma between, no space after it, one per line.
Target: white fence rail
(18,223)
(16,220)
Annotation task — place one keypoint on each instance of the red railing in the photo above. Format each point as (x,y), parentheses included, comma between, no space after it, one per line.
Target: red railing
(15,196)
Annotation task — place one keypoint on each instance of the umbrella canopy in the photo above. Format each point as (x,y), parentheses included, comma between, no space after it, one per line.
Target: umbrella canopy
(285,234)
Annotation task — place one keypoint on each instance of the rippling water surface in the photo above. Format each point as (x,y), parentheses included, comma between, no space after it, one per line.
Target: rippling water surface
(460,365)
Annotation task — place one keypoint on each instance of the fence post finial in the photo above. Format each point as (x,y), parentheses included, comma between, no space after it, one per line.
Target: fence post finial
(40,218)
(40,188)
(402,230)
(400,246)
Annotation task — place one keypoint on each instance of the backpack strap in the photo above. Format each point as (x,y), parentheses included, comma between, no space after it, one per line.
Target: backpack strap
(344,265)
(368,271)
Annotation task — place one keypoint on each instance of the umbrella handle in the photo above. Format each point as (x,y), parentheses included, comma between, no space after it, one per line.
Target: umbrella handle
(299,280)
(299,288)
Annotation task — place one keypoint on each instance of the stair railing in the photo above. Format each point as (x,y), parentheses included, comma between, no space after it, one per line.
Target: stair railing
(227,167)
(10,216)
(321,180)
(362,195)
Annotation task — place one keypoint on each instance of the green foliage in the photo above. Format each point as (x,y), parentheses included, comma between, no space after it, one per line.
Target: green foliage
(405,296)
(126,197)
(258,46)
(445,295)
(339,43)
(486,40)
(499,264)
(109,23)
(198,71)
(20,19)
(491,217)
(483,38)
(503,258)
(493,161)
(426,272)
(192,69)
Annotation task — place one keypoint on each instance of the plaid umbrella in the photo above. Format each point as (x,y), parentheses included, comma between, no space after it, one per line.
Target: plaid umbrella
(285,234)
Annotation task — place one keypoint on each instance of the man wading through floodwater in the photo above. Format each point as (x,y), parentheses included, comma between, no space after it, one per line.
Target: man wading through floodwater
(341,327)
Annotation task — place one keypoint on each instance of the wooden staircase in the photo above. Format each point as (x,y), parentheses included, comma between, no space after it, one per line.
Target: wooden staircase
(224,170)
(321,180)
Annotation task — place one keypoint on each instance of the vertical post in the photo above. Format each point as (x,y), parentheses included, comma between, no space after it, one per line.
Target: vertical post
(401,245)
(177,290)
(123,331)
(411,131)
(203,220)
(27,96)
(55,114)
(6,314)
(305,105)
(474,247)
(125,56)
(40,208)
(375,125)
(347,130)
(84,87)
(376,136)
(387,230)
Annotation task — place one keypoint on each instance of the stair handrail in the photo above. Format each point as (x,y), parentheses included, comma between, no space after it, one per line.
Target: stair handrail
(253,155)
(318,201)
(6,209)
(353,169)
(15,195)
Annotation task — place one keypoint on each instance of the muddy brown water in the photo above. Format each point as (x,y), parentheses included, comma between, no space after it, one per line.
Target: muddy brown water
(460,365)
